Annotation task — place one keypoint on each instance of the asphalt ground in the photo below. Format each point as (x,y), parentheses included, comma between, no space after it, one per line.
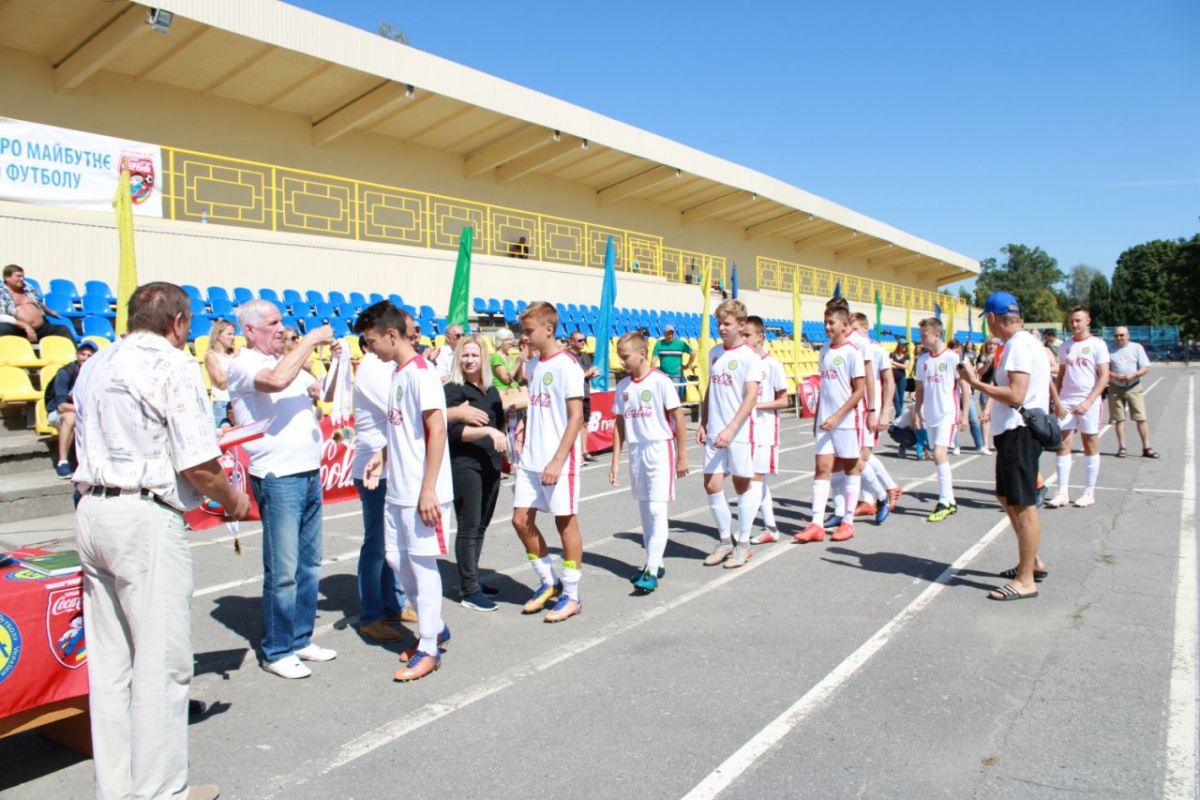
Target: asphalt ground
(873,667)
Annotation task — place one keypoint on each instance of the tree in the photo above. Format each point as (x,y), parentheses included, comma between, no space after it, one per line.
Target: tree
(1028,275)
(1142,288)
(1099,301)
(1079,284)
(965,296)
(389,31)
(1184,273)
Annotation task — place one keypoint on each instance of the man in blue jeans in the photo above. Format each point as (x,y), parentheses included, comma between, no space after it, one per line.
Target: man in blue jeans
(285,474)
(380,597)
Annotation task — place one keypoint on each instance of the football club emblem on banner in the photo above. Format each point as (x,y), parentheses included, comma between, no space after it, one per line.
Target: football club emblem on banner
(64,627)
(10,646)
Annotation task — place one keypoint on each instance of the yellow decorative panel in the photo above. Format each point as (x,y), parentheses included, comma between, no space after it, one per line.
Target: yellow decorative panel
(563,241)
(392,215)
(646,252)
(449,217)
(219,190)
(507,228)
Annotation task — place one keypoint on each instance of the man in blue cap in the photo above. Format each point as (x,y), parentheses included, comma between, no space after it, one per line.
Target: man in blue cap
(1022,380)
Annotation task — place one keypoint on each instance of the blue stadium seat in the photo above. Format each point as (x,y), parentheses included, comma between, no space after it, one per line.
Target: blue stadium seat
(61,304)
(357,299)
(65,287)
(192,291)
(97,306)
(242,295)
(35,284)
(199,308)
(312,296)
(479,305)
(292,297)
(375,297)
(268,294)
(218,293)
(323,310)
(510,312)
(337,298)
(410,310)
(348,310)
(522,305)
(100,289)
(340,327)
(427,312)
(201,326)
(220,306)
(99,326)
(396,300)
(494,307)
(291,322)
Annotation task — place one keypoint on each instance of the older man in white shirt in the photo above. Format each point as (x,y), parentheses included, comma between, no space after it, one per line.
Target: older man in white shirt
(147,452)
(444,357)
(285,474)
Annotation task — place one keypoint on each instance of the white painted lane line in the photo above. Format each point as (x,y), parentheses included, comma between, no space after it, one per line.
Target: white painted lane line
(737,764)
(1182,722)
(258,578)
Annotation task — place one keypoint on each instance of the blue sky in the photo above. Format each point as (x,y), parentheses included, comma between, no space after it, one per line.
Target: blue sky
(1067,125)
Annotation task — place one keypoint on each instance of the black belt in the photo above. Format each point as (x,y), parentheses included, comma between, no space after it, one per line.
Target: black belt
(144,494)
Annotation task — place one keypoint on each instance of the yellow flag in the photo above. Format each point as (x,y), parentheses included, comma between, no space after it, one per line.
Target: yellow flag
(797,329)
(950,327)
(127,271)
(908,337)
(705,341)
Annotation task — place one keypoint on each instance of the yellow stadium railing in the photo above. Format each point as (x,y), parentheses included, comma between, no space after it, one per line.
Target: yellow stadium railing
(780,275)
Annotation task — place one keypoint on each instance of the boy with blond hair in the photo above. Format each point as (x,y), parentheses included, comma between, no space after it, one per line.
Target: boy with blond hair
(548,476)
(650,417)
(940,407)
(734,373)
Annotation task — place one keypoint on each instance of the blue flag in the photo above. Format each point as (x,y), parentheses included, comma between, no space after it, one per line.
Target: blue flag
(608,298)
(970,326)
(733,283)
(837,289)
(937,311)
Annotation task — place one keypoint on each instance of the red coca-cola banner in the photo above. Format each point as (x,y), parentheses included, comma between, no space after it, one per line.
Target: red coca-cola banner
(600,423)
(809,391)
(337,454)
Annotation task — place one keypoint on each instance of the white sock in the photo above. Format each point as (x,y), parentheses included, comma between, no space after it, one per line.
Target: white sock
(766,507)
(851,492)
(838,486)
(945,486)
(1091,472)
(428,601)
(719,507)
(882,474)
(570,580)
(654,533)
(820,497)
(748,503)
(544,568)
(1063,466)
(877,490)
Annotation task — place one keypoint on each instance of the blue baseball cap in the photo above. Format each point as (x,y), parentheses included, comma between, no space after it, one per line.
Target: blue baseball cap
(1001,303)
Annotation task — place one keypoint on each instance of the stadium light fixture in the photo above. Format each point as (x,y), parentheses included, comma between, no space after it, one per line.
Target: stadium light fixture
(159,20)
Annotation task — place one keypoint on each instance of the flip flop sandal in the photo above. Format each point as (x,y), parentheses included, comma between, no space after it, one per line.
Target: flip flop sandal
(1007,592)
(1150,452)
(1038,575)
(1121,452)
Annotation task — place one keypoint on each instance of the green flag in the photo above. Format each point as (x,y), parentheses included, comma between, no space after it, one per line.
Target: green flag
(878,316)
(461,291)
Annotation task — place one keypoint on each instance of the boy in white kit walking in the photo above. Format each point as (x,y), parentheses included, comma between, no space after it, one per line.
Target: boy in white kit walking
(733,376)
(877,483)
(548,477)
(838,425)
(650,417)
(867,410)
(416,460)
(1083,366)
(772,396)
(940,406)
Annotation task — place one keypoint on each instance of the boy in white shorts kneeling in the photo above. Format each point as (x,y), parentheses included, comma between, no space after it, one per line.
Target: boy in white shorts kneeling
(650,417)
(419,487)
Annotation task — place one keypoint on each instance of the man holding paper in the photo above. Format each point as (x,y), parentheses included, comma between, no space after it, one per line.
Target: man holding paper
(285,475)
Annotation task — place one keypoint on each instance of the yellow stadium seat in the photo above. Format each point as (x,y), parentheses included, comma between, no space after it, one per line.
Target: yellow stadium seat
(41,421)
(590,347)
(16,351)
(355,351)
(438,341)
(57,349)
(692,395)
(239,342)
(15,386)
(200,346)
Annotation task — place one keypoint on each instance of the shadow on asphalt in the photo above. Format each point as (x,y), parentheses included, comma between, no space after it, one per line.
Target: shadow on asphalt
(925,569)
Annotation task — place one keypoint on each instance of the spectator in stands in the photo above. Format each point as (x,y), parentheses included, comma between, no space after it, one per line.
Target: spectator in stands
(668,357)
(60,407)
(414,337)
(1128,364)
(577,342)
(285,474)
(505,364)
(220,354)
(475,460)
(520,249)
(900,362)
(22,312)
(443,357)
(147,454)
(291,340)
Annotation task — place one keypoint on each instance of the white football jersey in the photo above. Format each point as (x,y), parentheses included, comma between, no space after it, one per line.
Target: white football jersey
(552,381)
(938,376)
(1080,362)
(773,381)
(416,388)
(646,407)
(728,373)
(839,367)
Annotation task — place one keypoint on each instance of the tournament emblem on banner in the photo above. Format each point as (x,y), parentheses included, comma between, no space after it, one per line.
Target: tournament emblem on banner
(64,627)
(141,176)
(10,646)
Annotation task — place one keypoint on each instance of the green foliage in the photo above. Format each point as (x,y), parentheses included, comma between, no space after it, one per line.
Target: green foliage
(1099,301)
(964,295)
(1028,275)
(1079,284)
(389,31)
(1184,279)
(1143,291)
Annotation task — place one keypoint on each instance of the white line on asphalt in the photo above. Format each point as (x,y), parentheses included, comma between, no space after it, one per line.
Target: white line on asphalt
(1182,723)
(737,764)
(258,578)
(1098,488)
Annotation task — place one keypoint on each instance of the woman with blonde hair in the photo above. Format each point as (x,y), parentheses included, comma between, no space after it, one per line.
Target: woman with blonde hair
(477,442)
(221,351)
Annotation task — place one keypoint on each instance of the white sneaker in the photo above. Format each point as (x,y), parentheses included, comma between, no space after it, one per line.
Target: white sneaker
(314,652)
(288,667)
(983,451)
(1058,501)
(1086,499)
(956,451)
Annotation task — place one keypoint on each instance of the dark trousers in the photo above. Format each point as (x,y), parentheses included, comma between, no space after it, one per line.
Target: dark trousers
(47,329)
(475,493)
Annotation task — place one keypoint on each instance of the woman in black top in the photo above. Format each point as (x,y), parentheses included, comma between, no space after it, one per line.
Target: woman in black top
(477,441)
(900,373)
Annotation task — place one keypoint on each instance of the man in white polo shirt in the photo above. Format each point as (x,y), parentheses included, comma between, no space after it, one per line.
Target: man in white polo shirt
(285,474)
(1128,364)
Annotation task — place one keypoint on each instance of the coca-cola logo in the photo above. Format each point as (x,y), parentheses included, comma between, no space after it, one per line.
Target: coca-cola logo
(720,379)
(336,462)
(65,634)
(68,603)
